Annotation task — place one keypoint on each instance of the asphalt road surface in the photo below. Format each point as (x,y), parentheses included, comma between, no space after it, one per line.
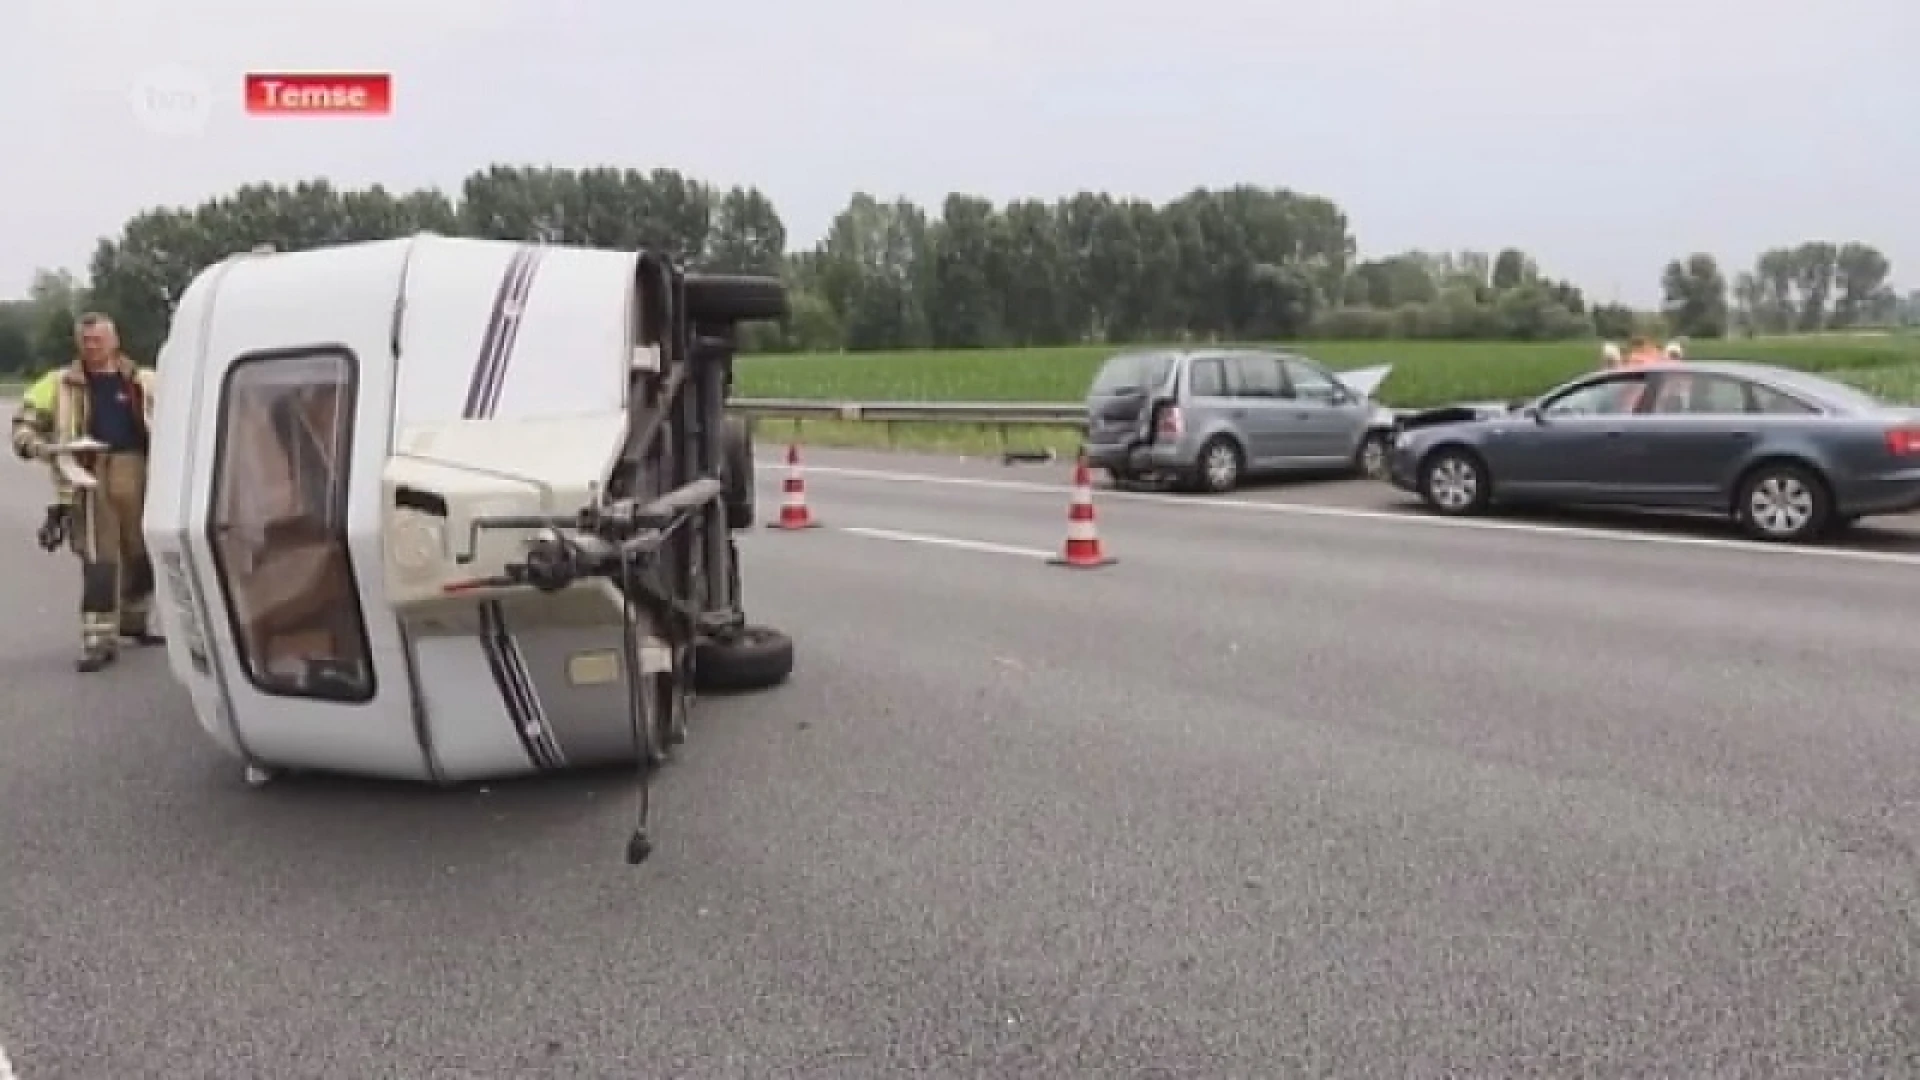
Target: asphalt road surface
(1301,786)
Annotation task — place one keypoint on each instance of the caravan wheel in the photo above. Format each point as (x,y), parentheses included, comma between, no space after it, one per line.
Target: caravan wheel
(755,658)
(734,298)
(736,472)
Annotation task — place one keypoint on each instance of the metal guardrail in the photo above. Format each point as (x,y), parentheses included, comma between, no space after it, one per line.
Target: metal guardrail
(1002,418)
(988,413)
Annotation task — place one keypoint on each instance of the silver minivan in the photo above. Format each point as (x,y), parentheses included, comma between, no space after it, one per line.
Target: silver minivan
(1204,419)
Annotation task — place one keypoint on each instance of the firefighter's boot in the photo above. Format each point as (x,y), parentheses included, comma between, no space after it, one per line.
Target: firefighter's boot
(136,616)
(99,616)
(94,657)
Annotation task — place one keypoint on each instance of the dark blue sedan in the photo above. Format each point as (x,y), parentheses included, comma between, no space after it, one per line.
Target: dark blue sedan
(1787,455)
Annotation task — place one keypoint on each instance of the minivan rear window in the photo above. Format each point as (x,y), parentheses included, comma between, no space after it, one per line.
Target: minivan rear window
(1129,372)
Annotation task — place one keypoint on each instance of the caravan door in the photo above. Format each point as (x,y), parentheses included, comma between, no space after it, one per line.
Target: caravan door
(283,508)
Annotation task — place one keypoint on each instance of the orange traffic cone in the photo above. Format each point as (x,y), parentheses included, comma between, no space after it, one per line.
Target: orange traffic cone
(1083,539)
(793,503)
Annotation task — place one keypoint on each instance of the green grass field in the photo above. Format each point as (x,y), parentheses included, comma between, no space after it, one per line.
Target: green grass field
(1425,372)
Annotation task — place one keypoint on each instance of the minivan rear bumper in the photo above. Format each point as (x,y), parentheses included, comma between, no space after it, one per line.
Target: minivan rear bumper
(1133,457)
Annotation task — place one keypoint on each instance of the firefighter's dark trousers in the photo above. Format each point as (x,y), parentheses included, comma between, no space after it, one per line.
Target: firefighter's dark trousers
(116,577)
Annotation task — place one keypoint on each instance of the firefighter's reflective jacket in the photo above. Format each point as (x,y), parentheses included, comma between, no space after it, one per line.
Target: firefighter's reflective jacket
(55,409)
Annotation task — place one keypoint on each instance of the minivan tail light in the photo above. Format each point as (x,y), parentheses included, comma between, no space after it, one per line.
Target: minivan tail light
(1904,441)
(1171,425)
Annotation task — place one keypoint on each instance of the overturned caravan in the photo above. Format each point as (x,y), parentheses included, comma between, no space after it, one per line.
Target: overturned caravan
(448,509)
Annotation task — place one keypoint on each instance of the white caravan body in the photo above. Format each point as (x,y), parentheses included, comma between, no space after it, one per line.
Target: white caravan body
(327,425)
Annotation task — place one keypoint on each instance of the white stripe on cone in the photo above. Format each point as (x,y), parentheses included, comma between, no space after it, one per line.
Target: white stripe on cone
(1081,530)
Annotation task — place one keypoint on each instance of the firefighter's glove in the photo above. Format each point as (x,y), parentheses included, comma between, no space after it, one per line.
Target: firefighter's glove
(57,526)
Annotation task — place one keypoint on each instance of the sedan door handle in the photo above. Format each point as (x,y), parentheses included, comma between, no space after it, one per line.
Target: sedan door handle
(1740,434)
(1238,414)
(1303,416)
(1615,433)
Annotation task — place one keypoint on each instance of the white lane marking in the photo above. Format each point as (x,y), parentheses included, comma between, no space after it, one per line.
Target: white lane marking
(1350,513)
(6,1067)
(937,541)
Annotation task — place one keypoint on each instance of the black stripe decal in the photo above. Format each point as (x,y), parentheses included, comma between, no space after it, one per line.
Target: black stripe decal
(510,313)
(493,642)
(491,342)
(534,720)
(504,659)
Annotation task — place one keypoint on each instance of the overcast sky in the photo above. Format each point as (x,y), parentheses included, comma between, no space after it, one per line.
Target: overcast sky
(1602,137)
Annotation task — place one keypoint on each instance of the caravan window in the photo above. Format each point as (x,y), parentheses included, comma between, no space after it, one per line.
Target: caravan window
(279,524)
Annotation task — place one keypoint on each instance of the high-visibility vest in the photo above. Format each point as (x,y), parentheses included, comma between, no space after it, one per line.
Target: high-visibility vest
(55,409)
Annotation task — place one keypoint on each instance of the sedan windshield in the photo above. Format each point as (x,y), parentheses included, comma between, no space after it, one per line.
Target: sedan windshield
(1131,372)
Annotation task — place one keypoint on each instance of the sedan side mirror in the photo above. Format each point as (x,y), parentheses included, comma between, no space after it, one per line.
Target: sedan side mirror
(1533,413)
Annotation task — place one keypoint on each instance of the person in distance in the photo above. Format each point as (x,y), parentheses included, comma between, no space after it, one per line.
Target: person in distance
(105,397)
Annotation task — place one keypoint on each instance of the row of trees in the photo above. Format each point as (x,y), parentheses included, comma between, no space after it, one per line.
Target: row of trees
(1813,287)
(1240,263)
(37,333)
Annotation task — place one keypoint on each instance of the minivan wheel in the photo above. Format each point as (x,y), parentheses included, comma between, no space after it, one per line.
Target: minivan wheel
(1783,503)
(1455,482)
(1370,460)
(1220,465)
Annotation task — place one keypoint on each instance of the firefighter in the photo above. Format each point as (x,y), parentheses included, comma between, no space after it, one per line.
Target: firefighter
(1610,356)
(104,396)
(1676,352)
